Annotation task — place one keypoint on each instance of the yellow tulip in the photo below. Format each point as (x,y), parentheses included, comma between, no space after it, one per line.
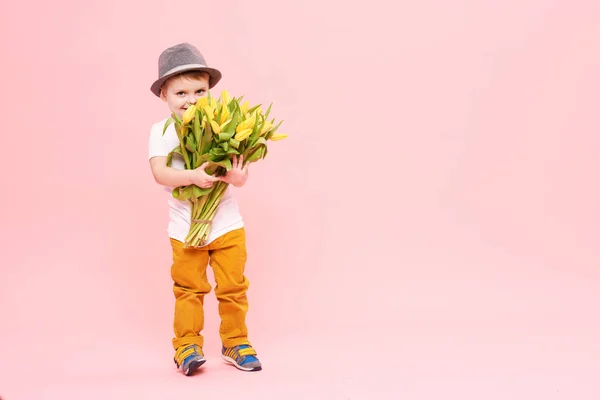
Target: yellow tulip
(252,117)
(208,111)
(202,102)
(216,128)
(268,125)
(213,103)
(225,97)
(225,114)
(225,123)
(189,114)
(247,124)
(244,107)
(243,135)
(278,136)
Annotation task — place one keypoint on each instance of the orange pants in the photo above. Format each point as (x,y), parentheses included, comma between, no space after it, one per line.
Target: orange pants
(227,256)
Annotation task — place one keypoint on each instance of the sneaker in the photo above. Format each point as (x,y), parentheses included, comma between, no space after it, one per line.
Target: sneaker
(189,358)
(243,357)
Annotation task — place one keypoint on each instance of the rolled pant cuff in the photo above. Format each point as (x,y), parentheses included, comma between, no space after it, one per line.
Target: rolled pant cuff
(235,342)
(187,340)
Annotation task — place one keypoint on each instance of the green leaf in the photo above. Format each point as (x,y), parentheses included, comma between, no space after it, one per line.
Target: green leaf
(167,123)
(226,163)
(176,150)
(276,127)
(206,139)
(178,129)
(255,132)
(225,146)
(190,144)
(226,124)
(250,111)
(232,152)
(230,127)
(272,131)
(224,137)
(198,192)
(268,111)
(260,143)
(211,169)
(176,118)
(217,151)
(254,157)
(233,105)
(182,193)
(188,192)
(196,127)
(203,158)
(219,113)
(234,143)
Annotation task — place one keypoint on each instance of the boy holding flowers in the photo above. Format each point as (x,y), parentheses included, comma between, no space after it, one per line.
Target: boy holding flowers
(183,78)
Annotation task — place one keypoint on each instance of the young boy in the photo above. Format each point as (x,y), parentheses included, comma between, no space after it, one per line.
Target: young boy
(184,77)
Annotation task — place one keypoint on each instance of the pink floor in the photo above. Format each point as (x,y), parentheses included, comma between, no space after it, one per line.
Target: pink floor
(438,362)
(464,322)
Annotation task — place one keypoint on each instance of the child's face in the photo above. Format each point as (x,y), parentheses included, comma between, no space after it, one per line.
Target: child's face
(181,91)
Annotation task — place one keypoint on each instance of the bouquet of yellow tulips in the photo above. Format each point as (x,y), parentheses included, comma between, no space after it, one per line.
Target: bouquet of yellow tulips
(213,131)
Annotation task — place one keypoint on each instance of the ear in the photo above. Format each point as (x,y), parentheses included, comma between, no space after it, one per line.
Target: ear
(162,95)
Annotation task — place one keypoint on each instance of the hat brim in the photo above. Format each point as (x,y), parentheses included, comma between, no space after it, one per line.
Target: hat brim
(214,77)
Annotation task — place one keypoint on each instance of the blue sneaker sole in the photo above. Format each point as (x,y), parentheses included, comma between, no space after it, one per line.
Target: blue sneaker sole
(194,365)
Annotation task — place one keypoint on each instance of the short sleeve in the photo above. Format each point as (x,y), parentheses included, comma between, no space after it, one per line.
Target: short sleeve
(157,146)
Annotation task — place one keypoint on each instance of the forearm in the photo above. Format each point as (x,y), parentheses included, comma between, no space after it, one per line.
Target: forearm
(168,176)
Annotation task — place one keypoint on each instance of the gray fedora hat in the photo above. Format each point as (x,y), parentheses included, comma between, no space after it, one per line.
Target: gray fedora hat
(181,58)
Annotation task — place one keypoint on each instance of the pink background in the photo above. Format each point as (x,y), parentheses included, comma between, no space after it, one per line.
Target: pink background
(429,230)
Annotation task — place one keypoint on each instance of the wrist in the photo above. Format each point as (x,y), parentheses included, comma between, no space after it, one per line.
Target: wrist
(191,177)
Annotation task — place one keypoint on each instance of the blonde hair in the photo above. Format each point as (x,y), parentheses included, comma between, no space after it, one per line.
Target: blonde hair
(191,75)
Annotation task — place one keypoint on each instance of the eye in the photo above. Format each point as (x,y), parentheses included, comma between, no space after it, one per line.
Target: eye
(180,93)
(200,91)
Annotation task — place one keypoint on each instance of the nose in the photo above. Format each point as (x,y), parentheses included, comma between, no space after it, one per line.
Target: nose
(193,98)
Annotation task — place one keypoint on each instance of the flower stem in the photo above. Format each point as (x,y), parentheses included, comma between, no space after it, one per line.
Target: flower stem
(204,209)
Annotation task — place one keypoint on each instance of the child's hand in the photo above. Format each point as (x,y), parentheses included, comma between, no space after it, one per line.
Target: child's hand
(201,179)
(237,175)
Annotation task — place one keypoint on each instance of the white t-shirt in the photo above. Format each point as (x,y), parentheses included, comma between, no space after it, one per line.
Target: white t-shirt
(227,217)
